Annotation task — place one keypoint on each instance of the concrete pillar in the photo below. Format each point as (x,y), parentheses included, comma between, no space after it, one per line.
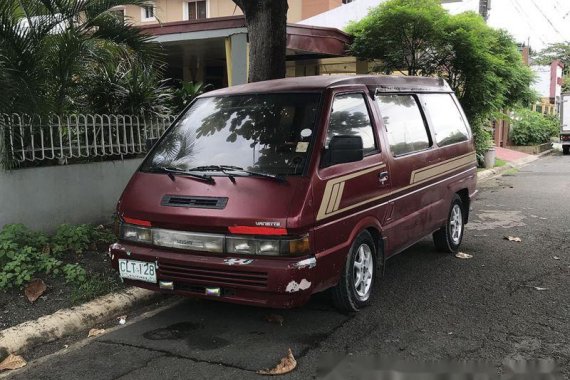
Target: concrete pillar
(187,69)
(237,58)
(300,69)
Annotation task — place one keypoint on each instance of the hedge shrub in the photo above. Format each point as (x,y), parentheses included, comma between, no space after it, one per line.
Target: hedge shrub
(532,128)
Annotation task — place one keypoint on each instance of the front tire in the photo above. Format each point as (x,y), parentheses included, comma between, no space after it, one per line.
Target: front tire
(448,238)
(354,289)
(566,149)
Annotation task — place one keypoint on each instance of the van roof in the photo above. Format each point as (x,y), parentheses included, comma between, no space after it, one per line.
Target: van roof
(380,83)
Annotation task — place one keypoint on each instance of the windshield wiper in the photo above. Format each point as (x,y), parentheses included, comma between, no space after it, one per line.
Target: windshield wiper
(224,168)
(216,168)
(172,171)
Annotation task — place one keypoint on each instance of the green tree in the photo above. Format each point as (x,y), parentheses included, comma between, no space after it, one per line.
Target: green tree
(557,51)
(48,47)
(401,34)
(418,37)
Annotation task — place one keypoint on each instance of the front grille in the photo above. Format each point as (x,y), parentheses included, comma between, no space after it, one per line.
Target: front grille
(208,276)
(194,202)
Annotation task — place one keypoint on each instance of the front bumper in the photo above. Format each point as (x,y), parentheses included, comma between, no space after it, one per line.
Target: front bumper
(268,282)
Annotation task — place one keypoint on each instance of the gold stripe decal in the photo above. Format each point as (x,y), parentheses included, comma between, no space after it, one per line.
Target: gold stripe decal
(334,190)
(339,197)
(332,196)
(436,170)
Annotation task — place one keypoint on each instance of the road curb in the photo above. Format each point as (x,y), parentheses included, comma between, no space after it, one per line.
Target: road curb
(489,173)
(64,322)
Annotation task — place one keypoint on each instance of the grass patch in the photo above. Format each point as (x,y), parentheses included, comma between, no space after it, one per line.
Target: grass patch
(500,163)
(92,288)
(510,172)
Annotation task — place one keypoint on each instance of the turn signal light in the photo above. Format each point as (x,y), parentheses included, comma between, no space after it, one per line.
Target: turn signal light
(300,246)
(136,222)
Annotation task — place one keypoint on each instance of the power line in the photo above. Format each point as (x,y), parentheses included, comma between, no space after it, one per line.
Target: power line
(520,10)
(546,18)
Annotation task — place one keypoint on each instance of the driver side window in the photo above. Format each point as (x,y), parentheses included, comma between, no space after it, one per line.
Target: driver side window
(350,117)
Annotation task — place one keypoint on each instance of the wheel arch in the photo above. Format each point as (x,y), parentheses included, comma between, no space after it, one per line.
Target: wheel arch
(374,228)
(466,201)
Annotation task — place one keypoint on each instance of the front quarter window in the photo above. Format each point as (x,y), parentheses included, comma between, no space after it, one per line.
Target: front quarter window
(265,133)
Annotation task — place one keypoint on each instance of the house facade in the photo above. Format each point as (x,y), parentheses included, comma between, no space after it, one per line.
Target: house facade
(206,40)
(167,11)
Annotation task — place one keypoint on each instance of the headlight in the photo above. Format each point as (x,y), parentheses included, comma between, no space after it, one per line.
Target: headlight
(216,243)
(251,246)
(188,240)
(273,247)
(136,234)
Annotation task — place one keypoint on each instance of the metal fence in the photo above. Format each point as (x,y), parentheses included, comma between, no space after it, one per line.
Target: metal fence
(30,140)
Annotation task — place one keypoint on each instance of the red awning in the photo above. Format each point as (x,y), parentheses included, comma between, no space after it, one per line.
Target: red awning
(301,39)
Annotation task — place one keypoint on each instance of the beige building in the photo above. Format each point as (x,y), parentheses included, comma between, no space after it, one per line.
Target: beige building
(206,40)
(167,11)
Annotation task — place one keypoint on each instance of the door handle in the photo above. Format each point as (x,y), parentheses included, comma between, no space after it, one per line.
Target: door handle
(383,177)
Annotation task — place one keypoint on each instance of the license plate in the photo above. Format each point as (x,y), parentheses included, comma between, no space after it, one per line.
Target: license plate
(137,270)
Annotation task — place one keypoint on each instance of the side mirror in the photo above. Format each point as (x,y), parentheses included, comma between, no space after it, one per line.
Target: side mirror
(344,149)
(150,143)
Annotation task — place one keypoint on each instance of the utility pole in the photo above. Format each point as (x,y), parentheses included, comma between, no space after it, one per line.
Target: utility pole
(484,8)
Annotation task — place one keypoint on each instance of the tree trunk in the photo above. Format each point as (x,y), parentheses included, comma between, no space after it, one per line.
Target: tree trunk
(267,31)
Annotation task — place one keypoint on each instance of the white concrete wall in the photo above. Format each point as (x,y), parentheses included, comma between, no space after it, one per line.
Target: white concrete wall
(44,198)
(542,80)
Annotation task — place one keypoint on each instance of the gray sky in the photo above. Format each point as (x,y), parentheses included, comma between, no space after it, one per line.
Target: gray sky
(541,21)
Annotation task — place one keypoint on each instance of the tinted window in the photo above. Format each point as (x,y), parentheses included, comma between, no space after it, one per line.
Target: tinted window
(267,133)
(448,124)
(349,116)
(404,123)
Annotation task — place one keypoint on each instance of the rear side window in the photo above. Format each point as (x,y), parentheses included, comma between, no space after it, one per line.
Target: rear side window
(448,124)
(404,123)
(350,117)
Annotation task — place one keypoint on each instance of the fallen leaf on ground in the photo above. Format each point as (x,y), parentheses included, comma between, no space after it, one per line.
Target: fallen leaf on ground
(286,365)
(35,289)
(122,319)
(462,255)
(12,362)
(513,238)
(95,332)
(275,318)
(540,289)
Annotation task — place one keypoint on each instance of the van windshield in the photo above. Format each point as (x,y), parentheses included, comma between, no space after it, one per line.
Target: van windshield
(263,133)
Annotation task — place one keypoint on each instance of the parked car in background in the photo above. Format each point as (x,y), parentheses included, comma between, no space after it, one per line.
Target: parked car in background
(266,193)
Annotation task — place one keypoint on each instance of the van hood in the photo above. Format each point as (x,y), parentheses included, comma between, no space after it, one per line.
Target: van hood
(189,204)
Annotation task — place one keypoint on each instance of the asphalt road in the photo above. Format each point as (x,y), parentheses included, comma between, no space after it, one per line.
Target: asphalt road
(507,306)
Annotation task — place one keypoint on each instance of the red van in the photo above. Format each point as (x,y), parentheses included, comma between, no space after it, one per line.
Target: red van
(266,193)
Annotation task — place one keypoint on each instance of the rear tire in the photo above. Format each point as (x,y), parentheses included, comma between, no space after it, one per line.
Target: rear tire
(566,149)
(448,238)
(356,284)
